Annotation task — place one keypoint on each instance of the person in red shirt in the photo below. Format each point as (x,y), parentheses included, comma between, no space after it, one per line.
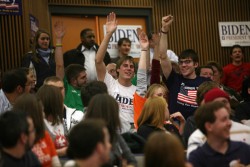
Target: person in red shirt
(234,73)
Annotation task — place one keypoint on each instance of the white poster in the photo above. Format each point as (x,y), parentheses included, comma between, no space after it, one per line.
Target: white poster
(128,31)
(234,33)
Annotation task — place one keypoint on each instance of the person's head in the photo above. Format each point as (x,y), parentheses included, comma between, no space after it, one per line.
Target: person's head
(188,62)
(33,107)
(17,130)
(111,68)
(14,81)
(154,112)
(125,68)
(91,89)
(42,40)
(205,71)
(87,37)
(104,106)
(55,81)
(52,100)
(203,89)
(156,90)
(31,80)
(237,53)
(124,46)
(216,94)
(89,138)
(213,120)
(159,144)
(218,71)
(76,75)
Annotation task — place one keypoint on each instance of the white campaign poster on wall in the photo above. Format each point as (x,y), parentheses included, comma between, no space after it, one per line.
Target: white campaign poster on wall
(234,33)
(128,31)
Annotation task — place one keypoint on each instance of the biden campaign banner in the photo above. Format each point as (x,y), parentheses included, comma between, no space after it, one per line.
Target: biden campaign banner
(234,33)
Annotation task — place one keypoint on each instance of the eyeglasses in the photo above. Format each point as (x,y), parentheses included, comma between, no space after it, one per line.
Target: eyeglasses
(186,62)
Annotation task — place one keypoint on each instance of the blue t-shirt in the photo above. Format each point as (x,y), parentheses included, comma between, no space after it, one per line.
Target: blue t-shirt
(182,93)
(205,156)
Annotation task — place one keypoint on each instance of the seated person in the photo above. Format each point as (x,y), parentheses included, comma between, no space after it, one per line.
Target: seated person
(89,144)
(16,140)
(155,117)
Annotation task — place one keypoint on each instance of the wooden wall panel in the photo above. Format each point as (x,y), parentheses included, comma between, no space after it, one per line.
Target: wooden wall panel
(12,44)
(195,25)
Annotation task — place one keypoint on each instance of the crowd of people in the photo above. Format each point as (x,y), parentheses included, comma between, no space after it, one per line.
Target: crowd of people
(82,108)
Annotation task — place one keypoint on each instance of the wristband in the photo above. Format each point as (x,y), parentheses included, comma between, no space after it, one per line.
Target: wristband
(59,45)
(144,50)
(164,32)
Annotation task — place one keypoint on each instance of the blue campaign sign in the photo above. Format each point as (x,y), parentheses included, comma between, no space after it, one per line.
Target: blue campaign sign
(10,7)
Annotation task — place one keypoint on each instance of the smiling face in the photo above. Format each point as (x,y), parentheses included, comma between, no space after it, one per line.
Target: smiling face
(220,129)
(126,70)
(187,68)
(124,49)
(43,41)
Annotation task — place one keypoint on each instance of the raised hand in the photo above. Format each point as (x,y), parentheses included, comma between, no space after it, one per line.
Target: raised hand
(166,22)
(59,29)
(143,39)
(111,23)
(156,39)
(177,115)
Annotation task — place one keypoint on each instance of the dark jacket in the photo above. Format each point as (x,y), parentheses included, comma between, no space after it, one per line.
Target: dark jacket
(43,69)
(75,56)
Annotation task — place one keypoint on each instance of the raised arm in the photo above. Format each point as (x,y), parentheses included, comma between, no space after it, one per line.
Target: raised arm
(111,25)
(156,66)
(141,87)
(163,45)
(59,31)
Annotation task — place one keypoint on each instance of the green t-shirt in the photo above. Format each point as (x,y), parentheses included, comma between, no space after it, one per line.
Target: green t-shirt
(72,96)
(134,80)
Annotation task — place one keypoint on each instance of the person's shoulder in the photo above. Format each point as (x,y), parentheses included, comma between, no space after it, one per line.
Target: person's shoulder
(198,152)
(202,79)
(32,159)
(228,67)
(28,55)
(238,145)
(246,64)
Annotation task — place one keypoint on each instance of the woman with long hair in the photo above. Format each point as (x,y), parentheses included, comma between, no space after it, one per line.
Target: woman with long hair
(41,58)
(52,100)
(155,117)
(43,147)
(104,106)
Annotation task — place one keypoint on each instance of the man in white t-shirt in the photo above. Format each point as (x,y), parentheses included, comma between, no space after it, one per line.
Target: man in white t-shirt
(121,89)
